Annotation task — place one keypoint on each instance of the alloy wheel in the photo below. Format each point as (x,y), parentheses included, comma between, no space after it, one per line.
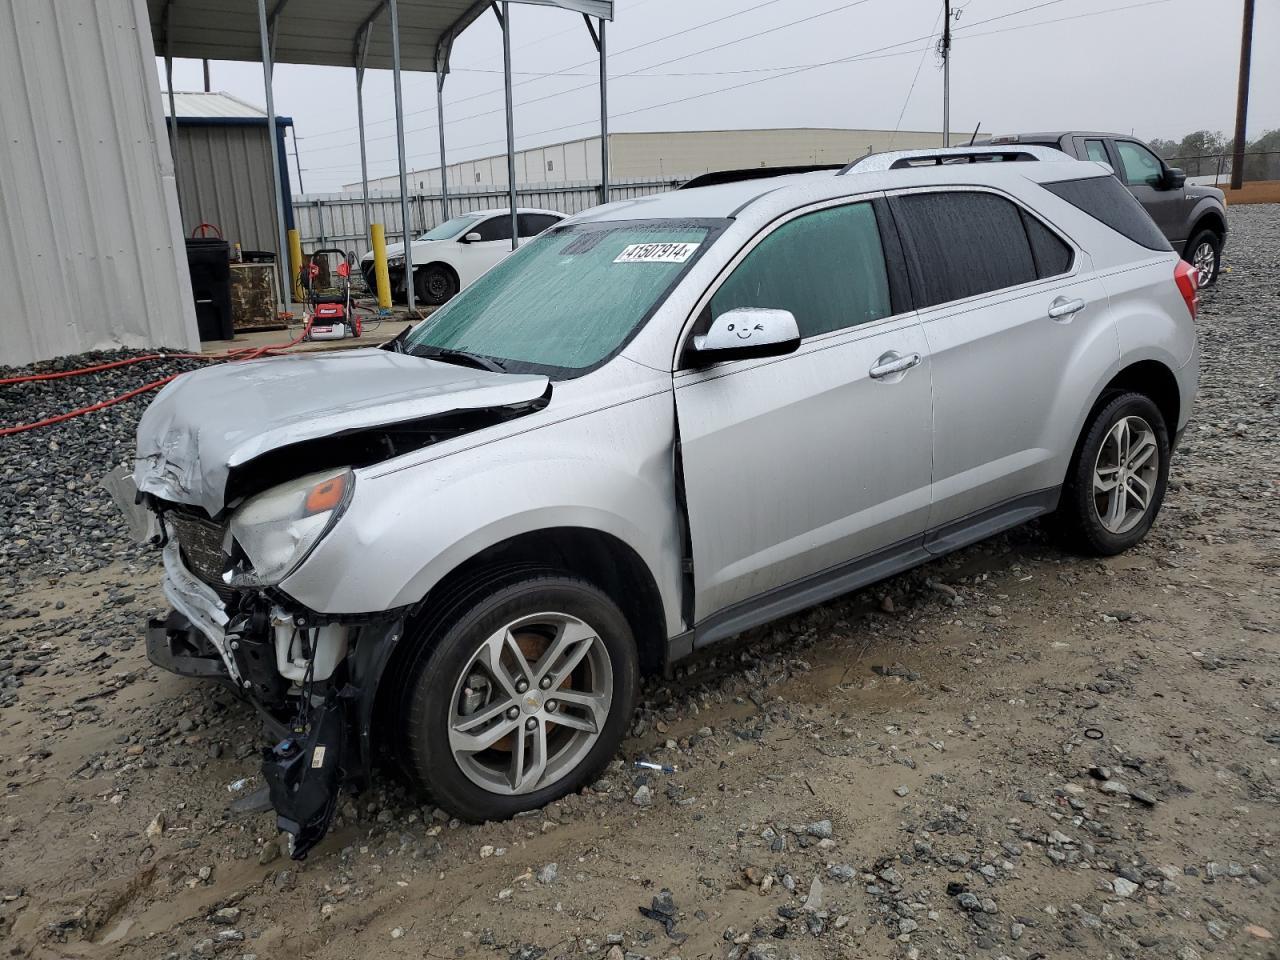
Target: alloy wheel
(1125,474)
(531,703)
(1204,260)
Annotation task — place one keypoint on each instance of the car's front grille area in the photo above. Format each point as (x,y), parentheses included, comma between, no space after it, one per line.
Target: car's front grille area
(201,542)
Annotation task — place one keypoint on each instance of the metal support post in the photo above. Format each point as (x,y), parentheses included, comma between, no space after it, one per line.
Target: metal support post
(364,160)
(404,179)
(604,114)
(505,17)
(444,164)
(286,283)
(598,38)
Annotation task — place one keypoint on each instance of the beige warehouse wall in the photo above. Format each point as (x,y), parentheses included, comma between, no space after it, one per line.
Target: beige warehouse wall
(693,152)
(88,209)
(683,153)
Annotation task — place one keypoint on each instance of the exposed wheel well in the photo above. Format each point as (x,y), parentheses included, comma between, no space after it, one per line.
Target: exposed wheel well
(1152,379)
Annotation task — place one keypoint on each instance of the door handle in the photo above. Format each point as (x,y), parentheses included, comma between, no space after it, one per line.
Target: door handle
(892,363)
(1064,309)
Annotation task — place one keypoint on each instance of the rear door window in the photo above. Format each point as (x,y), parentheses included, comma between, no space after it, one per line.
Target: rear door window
(1106,200)
(962,244)
(1097,150)
(532,224)
(826,267)
(495,228)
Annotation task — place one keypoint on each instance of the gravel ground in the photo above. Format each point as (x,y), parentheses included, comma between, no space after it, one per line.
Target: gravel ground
(54,519)
(1011,752)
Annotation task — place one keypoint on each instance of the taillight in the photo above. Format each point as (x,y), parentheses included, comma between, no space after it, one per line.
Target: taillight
(1187,278)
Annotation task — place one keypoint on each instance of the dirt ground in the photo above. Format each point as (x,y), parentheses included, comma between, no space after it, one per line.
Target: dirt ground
(1012,752)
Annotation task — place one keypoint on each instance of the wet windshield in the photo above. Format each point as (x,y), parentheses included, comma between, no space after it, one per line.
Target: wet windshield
(451,228)
(569,299)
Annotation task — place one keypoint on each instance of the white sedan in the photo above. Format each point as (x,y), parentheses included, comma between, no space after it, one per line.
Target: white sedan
(453,255)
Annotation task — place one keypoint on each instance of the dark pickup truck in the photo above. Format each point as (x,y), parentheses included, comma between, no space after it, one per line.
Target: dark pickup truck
(1192,217)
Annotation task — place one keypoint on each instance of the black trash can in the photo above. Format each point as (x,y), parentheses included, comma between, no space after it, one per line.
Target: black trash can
(209,261)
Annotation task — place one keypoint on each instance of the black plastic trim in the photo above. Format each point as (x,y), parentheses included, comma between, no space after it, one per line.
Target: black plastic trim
(987,523)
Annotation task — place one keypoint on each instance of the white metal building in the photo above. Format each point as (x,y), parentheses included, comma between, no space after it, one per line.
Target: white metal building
(673,153)
(88,212)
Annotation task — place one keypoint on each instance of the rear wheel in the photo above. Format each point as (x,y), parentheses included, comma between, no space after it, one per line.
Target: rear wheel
(1204,252)
(435,284)
(523,699)
(1117,478)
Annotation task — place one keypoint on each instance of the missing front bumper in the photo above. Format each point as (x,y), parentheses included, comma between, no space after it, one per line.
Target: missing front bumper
(322,738)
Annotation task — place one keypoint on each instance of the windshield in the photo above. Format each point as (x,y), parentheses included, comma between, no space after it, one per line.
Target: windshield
(569,299)
(450,228)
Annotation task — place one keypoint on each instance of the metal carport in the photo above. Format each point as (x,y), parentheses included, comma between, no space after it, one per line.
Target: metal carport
(342,33)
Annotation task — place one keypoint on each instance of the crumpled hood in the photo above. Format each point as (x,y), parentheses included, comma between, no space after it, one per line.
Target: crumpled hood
(210,421)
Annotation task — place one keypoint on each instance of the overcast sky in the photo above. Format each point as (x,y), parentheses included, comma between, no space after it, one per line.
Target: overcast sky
(1158,68)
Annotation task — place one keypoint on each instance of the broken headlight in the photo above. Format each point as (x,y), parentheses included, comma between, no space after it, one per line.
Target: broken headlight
(278,528)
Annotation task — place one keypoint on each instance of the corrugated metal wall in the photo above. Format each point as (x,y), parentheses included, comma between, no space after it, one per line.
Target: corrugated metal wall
(339,217)
(88,212)
(224,178)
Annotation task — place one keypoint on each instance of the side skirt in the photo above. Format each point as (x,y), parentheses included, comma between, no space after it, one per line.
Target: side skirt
(861,572)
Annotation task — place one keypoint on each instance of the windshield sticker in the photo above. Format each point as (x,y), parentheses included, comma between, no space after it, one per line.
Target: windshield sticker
(656,253)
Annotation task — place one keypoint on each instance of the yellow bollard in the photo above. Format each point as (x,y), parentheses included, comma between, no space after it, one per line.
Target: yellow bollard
(380,265)
(295,265)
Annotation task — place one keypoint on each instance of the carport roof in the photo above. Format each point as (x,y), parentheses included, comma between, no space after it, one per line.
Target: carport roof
(325,32)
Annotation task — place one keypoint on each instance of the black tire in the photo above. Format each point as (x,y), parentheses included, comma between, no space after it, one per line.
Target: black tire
(435,284)
(1078,519)
(1214,242)
(485,607)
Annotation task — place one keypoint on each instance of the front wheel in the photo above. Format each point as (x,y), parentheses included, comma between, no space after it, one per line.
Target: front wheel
(523,699)
(1117,478)
(435,285)
(1204,252)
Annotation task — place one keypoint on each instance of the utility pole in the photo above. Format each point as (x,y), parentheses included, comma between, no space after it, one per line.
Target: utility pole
(946,72)
(1242,97)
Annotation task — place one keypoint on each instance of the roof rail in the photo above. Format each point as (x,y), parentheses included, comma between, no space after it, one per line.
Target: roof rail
(945,156)
(753,173)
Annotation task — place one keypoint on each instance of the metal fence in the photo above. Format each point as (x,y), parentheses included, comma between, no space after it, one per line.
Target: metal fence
(337,219)
(1258,165)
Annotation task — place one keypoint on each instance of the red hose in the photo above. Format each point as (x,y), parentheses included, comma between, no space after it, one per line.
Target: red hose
(241,353)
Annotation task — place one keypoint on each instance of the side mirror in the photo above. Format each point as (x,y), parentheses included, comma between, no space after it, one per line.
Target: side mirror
(472,237)
(745,334)
(1174,178)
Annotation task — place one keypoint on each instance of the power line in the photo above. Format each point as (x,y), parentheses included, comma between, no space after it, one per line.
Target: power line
(804,68)
(828,63)
(911,89)
(573,66)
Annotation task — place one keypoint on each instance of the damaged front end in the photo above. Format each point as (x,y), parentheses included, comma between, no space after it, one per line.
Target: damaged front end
(241,471)
(312,679)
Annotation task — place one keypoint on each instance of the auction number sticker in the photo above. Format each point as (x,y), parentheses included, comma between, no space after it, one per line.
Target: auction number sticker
(656,253)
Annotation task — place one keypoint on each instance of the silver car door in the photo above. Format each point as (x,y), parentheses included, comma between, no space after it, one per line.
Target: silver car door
(1018,329)
(795,466)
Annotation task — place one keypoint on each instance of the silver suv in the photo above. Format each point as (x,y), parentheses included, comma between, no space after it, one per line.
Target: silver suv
(660,423)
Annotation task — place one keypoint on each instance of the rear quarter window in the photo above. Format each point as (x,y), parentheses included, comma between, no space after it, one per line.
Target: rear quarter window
(1108,201)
